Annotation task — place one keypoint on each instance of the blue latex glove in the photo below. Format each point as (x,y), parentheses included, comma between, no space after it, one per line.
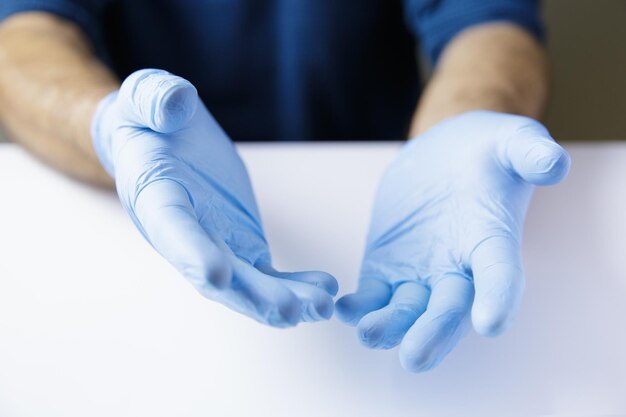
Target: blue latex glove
(183,184)
(445,235)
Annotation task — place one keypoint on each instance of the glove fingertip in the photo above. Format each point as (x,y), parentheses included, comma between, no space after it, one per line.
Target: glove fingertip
(290,313)
(372,295)
(329,284)
(158,100)
(370,334)
(325,309)
(346,309)
(547,163)
(559,169)
(176,105)
(316,306)
(489,323)
(540,161)
(320,279)
(220,273)
(416,360)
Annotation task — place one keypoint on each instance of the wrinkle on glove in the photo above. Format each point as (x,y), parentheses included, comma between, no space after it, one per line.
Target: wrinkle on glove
(444,243)
(181,181)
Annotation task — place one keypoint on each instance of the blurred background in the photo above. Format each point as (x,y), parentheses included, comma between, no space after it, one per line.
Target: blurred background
(586,41)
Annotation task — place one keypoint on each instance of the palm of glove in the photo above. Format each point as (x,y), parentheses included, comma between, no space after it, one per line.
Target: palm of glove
(430,215)
(216,182)
(447,222)
(182,182)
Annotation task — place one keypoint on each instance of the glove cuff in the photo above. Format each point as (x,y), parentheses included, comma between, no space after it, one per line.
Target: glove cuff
(100,136)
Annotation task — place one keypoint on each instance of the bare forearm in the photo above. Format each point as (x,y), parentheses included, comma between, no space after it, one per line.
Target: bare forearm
(497,67)
(50,85)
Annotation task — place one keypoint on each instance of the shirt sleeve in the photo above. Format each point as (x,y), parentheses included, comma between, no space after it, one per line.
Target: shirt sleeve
(436,22)
(84,13)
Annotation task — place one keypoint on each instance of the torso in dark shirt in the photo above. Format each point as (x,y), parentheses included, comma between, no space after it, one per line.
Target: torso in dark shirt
(278,69)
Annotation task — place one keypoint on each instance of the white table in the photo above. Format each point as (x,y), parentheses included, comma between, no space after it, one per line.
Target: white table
(94,323)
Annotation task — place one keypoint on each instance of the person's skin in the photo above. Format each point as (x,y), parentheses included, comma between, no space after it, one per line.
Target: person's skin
(498,67)
(51,83)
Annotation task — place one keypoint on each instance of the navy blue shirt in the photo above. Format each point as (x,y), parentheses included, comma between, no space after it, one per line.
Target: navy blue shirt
(287,69)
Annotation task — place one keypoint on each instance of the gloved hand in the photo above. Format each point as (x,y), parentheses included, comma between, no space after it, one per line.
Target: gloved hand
(183,184)
(445,235)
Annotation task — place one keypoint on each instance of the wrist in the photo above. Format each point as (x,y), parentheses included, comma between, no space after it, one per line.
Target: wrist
(101,132)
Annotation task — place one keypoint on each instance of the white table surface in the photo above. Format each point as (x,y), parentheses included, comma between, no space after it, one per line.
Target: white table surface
(94,323)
